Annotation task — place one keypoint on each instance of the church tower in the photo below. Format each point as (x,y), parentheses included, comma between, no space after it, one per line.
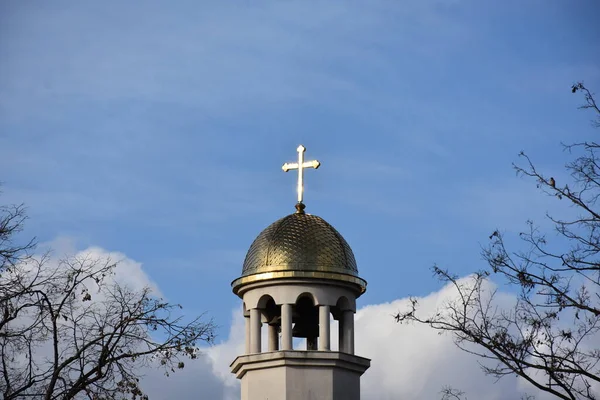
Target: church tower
(298,274)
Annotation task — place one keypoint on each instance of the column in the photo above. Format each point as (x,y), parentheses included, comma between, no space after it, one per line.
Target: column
(273,338)
(286,327)
(324,328)
(255,325)
(247,323)
(341,339)
(348,331)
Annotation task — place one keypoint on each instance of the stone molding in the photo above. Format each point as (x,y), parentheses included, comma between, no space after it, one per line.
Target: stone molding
(295,358)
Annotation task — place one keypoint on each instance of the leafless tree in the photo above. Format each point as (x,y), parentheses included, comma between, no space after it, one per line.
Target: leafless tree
(12,219)
(449,393)
(70,330)
(550,335)
(12,253)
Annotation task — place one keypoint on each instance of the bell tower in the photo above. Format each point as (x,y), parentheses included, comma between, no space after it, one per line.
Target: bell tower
(298,275)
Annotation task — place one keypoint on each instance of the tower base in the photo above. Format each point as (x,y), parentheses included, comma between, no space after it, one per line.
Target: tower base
(300,375)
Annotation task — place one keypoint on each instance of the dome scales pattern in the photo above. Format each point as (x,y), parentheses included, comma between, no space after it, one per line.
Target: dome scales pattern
(300,242)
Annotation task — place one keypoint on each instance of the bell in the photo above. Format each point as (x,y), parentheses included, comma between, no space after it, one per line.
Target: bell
(304,329)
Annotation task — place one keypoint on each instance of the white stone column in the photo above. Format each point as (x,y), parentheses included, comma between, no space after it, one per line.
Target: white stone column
(255,325)
(324,329)
(341,339)
(247,323)
(286,327)
(348,331)
(273,338)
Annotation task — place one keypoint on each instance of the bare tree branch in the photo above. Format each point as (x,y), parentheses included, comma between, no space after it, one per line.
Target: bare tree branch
(69,330)
(550,336)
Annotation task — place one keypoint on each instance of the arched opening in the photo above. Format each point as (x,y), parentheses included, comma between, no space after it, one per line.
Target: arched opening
(269,314)
(269,310)
(306,320)
(343,303)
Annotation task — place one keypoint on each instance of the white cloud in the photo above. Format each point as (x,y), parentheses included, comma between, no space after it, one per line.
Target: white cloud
(413,361)
(196,378)
(407,361)
(195,381)
(127,272)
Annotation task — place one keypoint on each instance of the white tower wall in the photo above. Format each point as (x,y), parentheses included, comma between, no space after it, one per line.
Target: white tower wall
(289,374)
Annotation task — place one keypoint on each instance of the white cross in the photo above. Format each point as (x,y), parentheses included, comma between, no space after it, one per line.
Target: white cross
(300,165)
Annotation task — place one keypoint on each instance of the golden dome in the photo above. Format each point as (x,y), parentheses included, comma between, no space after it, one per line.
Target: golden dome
(299,246)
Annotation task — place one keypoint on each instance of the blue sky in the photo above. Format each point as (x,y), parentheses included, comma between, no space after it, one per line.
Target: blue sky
(158,129)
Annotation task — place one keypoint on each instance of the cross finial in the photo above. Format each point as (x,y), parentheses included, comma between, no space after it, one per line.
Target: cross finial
(300,165)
